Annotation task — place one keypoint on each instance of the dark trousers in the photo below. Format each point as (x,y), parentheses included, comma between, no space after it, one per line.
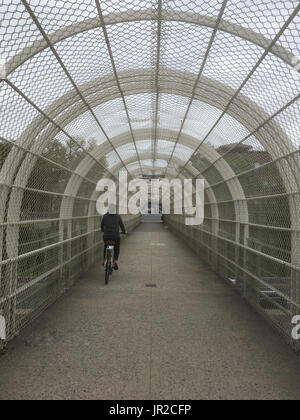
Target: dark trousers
(107,241)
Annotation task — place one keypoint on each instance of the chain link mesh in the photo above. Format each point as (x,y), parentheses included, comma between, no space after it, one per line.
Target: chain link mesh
(186,88)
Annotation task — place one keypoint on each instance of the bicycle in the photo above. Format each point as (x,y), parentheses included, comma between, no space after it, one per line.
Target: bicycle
(109,263)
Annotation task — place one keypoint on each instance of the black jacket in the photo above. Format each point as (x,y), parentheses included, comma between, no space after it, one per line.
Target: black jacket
(111,224)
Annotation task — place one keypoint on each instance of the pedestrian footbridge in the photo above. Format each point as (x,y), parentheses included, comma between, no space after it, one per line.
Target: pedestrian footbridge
(160,89)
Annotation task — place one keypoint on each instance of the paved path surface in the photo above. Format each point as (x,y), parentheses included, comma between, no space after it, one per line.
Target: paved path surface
(190,337)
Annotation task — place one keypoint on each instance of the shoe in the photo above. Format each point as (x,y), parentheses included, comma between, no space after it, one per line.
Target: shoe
(116,267)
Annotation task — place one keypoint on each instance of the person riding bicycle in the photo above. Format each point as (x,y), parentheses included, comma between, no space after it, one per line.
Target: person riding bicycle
(110,226)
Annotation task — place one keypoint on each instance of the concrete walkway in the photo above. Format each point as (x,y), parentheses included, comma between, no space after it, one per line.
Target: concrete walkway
(190,337)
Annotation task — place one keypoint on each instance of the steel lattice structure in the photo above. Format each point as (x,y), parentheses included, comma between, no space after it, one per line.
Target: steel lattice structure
(177,88)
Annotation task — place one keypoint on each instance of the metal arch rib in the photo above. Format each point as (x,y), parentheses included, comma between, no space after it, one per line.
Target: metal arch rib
(279,135)
(247,112)
(58,58)
(103,26)
(147,15)
(222,167)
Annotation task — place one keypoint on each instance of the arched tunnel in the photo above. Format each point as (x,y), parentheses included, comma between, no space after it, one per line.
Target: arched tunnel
(157,89)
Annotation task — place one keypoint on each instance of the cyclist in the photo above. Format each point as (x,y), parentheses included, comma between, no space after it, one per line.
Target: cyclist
(110,226)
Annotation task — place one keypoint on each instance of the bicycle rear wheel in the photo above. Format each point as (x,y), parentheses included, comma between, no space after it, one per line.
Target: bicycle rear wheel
(107,267)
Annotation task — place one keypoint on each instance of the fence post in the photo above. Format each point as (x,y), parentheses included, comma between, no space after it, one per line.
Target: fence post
(10,303)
